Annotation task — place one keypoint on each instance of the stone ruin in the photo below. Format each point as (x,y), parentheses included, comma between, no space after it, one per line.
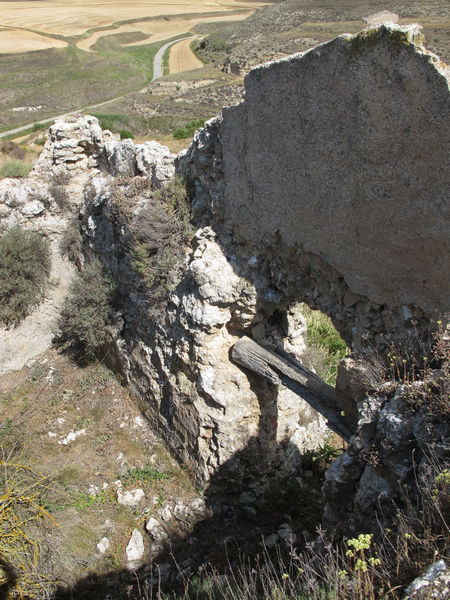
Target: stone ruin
(327,185)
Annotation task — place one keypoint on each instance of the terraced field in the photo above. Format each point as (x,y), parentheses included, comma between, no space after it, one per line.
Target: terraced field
(61,55)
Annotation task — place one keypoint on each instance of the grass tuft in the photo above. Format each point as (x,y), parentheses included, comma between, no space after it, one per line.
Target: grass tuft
(326,348)
(14,168)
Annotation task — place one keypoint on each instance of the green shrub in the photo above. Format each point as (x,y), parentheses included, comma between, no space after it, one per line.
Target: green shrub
(146,474)
(24,268)
(125,134)
(112,122)
(86,312)
(14,168)
(40,141)
(188,130)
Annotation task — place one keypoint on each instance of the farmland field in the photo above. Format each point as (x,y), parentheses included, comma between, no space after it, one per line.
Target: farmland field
(61,55)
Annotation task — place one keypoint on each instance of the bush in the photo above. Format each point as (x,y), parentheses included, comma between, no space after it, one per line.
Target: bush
(125,134)
(24,269)
(14,168)
(188,130)
(86,312)
(71,242)
(160,233)
(12,149)
(22,511)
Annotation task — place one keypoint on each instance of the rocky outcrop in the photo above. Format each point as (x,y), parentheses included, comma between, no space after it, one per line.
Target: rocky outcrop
(325,186)
(219,421)
(50,197)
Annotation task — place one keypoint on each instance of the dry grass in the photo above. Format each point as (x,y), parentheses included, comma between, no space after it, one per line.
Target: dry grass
(22,509)
(56,397)
(74,18)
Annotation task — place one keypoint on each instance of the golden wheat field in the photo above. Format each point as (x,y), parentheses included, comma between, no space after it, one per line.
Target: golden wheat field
(24,24)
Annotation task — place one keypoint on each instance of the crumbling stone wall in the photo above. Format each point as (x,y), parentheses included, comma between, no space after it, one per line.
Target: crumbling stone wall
(334,171)
(330,183)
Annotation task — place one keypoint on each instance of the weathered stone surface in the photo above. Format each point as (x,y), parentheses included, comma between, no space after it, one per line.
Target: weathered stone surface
(135,550)
(203,405)
(332,174)
(121,158)
(155,162)
(433,584)
(355,147)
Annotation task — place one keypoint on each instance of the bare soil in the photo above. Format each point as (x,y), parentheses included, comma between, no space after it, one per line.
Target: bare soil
(80,429)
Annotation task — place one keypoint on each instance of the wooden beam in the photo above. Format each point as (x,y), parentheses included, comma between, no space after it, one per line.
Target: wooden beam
(281,368)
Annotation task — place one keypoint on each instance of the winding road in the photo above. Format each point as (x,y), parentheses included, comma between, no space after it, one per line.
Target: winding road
(157,72)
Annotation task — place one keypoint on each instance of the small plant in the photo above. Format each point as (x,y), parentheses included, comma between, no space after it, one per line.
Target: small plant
(71,242)
(22,509)
(58,190)
(159,235)
(24,270)
(40,141)
(86,313)
(326,348)
(14,168)
(145,474)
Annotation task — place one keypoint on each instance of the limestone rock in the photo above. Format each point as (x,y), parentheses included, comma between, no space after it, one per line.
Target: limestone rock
(156,530)
(433,584)
(130,497)
(121,157)
(343,235)
(135,550)
(155,162)
(103,545)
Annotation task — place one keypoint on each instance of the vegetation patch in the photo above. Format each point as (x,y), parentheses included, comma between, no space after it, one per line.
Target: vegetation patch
(325,347)
(58,190)
(21,509)
(12,149)
(14,168)
(86,313)
(24,269)
(188,130)
(113,122)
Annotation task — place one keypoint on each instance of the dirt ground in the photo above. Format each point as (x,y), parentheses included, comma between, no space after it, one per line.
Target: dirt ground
(17,40)
(79,429)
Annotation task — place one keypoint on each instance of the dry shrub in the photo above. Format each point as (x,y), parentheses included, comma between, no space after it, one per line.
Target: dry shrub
(71,242)
(12,149)
(86,313)
(22,509)
(159,227)
(24,269)
(14,168)
(58,190)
